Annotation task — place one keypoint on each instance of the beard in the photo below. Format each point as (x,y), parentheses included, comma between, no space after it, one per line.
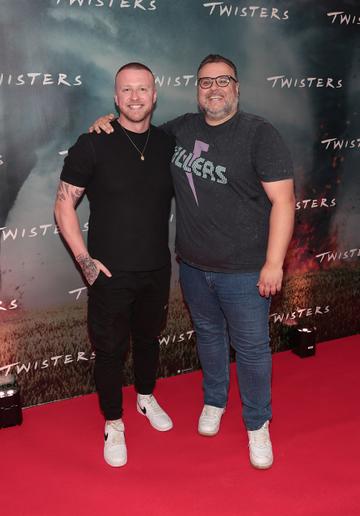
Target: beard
(218,113)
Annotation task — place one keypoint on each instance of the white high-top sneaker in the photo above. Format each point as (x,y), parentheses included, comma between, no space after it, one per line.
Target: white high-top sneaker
(115,453)
(149,407)
(261,454)
(209,421)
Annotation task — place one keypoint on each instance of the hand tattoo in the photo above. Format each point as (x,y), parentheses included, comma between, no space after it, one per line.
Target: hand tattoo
(88,267)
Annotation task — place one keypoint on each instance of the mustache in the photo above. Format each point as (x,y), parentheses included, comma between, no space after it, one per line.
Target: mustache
(216,94)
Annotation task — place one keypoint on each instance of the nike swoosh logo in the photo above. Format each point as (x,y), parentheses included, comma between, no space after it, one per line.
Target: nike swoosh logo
(143,409)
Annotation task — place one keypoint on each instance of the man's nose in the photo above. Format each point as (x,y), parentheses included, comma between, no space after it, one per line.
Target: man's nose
(214,87)
(134,94)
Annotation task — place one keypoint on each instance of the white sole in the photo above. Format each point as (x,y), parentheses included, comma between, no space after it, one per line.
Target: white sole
(265,466)
(208,434)
(115,465)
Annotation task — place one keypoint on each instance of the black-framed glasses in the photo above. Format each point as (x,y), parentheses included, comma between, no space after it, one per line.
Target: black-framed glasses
(221,80)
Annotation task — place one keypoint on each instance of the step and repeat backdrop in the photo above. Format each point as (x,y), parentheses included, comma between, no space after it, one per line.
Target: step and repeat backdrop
(298,64)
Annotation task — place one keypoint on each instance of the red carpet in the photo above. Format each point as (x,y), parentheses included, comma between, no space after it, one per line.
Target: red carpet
(52,465)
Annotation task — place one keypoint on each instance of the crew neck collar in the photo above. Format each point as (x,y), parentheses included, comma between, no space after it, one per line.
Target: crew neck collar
(223,125)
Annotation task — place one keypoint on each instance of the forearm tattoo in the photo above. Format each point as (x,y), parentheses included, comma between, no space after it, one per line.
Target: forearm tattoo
(88,267)
(66,191)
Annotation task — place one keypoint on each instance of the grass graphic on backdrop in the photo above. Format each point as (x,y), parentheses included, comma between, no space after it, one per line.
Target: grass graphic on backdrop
(34,336)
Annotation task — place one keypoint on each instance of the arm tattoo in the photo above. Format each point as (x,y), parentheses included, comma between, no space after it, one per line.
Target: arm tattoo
(66,191)
(88,267)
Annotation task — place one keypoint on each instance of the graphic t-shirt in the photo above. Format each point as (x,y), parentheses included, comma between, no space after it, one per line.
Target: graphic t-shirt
(222,210)
(129,198)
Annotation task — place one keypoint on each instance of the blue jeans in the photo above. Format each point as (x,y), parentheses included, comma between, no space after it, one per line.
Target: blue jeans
(227,307)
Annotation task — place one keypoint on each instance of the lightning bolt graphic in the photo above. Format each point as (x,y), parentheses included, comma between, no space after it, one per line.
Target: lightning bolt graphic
(198,148)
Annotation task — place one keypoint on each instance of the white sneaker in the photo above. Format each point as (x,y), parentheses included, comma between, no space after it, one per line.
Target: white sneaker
(209,421)
(115,453)
(261,455)
(149,407)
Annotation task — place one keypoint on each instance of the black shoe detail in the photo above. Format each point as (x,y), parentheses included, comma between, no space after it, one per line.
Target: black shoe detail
(106,436)
(143,410)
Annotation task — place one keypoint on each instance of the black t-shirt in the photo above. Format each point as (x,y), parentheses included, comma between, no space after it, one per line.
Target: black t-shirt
(129,198)
(222,210)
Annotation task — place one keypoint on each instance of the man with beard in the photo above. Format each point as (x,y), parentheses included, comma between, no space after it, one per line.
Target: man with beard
(127,180)
(235,212)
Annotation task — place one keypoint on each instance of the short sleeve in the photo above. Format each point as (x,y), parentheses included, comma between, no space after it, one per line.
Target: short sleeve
(270,155)
(79,163)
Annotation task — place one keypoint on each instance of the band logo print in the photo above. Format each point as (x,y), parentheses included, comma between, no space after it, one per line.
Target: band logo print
(194,163)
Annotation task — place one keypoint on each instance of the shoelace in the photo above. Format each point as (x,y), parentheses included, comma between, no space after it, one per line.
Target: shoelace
(260,437)
(117,425)
(211,412)
(154,405)
(117,437)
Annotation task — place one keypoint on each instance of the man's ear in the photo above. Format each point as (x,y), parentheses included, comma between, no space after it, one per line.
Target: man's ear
(116,100)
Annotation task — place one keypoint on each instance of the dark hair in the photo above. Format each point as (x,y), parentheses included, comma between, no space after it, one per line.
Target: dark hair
(217,58)
(133,66)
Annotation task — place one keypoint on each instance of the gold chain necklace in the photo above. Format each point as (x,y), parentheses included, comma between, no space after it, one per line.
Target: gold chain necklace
(142,157)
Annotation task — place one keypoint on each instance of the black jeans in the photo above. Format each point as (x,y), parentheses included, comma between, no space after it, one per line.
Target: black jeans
(129,304)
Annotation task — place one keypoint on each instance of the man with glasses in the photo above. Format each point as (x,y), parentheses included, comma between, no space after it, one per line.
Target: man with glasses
(235,210)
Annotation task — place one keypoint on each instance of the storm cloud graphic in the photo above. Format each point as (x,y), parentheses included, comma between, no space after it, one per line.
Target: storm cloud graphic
(82,44)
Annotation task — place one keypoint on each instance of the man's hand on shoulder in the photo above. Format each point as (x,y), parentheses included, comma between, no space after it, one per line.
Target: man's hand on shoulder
(91,268)
(103,124)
